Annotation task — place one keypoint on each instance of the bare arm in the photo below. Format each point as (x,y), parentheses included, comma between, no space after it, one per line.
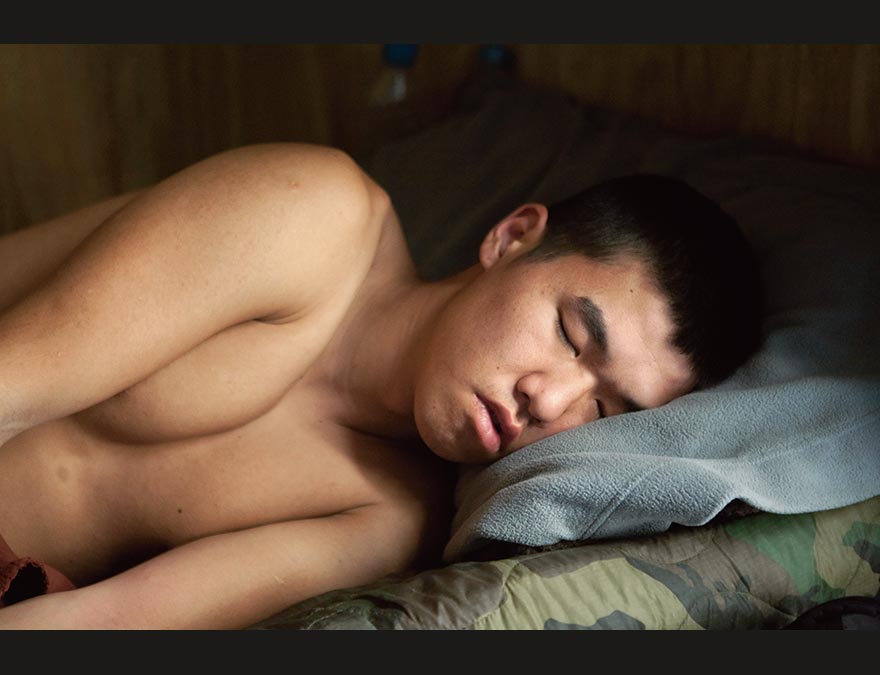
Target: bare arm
(260,232)
(233,580)
(30,255)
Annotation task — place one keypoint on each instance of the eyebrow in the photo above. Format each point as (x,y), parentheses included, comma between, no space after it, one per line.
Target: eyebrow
(590,315)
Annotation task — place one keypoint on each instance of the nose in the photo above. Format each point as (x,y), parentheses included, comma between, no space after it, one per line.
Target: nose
(551,394)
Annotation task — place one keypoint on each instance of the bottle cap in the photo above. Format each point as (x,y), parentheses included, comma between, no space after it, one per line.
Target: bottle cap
(400,55)
(497,55)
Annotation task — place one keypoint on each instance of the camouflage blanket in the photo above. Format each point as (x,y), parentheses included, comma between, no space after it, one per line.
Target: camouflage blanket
(755,572)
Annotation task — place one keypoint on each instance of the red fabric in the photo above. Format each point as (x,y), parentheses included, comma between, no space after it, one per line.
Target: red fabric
(22,578)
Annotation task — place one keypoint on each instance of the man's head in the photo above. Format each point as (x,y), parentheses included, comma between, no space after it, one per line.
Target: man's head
(695,251)
(624,297)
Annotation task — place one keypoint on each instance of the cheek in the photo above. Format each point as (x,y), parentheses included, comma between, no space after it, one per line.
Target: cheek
(470,334)
(485,336)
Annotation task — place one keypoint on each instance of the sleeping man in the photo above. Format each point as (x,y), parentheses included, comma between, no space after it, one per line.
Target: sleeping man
(231,391)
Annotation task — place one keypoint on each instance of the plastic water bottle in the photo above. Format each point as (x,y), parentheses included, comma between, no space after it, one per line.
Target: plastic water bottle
(393,103)
(394,84)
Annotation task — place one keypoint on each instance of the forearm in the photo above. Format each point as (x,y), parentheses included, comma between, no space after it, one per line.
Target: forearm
(30,255)
(55,611)
(28,258)
(232,580)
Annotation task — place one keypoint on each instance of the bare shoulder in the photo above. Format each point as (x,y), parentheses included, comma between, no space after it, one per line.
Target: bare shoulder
(306,216)
(323,177)
(320,208)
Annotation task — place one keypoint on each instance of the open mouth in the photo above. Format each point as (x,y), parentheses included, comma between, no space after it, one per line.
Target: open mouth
(488,426)
(495,422)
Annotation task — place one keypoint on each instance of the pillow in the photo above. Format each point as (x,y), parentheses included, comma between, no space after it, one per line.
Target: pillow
(795,430)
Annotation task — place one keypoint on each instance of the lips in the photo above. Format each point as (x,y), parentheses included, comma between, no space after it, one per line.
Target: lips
(503,426)
(489,435)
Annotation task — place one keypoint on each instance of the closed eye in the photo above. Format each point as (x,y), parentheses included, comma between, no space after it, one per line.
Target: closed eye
(563,335)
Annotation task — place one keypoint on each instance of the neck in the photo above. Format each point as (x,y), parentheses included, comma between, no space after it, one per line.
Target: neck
(375,359)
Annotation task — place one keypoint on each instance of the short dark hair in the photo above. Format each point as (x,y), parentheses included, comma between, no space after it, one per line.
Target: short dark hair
(700,259)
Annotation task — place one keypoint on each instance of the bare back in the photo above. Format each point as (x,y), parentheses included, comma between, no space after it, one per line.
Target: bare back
(229,436)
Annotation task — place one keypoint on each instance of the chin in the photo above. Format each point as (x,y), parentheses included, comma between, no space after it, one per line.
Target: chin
(461,453)
(439,422)
(444,446)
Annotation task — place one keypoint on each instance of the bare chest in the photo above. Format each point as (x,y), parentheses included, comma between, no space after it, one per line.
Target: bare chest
(227,381)
(288,463)
(92,506)
(224,438)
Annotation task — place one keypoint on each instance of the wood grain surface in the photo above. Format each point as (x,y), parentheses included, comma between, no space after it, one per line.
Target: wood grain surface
(82,122)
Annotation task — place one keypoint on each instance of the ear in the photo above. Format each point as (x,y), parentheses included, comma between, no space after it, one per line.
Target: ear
(518,232)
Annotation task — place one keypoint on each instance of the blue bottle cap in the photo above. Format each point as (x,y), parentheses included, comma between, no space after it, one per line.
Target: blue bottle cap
(497,55)
(400,55)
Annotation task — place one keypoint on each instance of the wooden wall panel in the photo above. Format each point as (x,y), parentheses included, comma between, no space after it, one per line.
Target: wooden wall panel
(823,98)
(81,122)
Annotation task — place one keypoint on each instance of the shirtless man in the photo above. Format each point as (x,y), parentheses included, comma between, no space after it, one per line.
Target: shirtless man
(231,391)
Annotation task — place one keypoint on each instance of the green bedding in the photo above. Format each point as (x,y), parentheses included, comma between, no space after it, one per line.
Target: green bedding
(755,572)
